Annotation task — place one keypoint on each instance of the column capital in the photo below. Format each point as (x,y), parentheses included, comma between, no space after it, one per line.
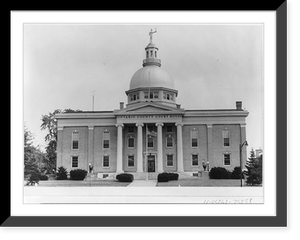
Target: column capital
(139,124)
(60,128)
(209,125)
(179,124)
(91,127)
(243,124)
(120,125)
(159,124)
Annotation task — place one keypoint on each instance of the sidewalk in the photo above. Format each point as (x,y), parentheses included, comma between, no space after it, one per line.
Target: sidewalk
(143,183)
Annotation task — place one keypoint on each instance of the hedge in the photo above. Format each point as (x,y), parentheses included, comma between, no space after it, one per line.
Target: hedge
(78,174)
(236,173)
(165,177)
(125,177)
(219,173)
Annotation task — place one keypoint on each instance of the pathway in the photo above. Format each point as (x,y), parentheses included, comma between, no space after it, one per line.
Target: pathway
(143,183)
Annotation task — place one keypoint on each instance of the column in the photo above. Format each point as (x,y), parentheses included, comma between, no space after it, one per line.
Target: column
(120,148)
(90,145)
(209,146)
(59,154)
(160,167)
(139,147)
(244,148)
(179,148)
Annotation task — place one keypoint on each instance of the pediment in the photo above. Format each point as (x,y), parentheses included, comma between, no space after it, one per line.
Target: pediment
(148,108)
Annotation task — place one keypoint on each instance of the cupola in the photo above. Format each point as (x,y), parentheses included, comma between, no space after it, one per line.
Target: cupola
(151,83)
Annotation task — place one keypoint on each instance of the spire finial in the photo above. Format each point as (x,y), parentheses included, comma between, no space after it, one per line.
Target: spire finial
(150,33)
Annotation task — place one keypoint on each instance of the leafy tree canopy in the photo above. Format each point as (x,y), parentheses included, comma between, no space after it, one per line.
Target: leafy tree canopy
(49,123)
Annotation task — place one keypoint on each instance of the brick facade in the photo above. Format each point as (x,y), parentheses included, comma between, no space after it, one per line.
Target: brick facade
(65,151)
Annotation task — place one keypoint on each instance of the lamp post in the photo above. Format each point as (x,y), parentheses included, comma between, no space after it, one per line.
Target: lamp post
(241,147)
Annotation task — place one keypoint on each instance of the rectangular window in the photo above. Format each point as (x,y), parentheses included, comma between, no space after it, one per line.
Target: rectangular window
(75,140)
(150,128)
(130,129)
(131,142)
(195,161)
(169,142)
(169,129)
(74,161)
(194,138)
(226,159)
(169,160)
(150,142)
(130,161)
(226,142)
(106,161)
(106,140)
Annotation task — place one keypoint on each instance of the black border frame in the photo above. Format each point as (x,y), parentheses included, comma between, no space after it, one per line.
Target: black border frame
(280,220)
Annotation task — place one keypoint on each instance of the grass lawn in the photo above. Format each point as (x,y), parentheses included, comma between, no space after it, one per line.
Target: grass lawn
(86,183)
(200,183)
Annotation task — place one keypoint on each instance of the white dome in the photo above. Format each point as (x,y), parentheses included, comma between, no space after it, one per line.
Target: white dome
(158,78)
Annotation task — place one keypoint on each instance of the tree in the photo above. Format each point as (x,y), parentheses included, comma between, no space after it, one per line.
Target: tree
(254,169)
(49,123)
(34,158)
(30,162)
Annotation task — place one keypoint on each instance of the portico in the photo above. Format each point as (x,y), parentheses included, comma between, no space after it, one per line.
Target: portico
(151,132)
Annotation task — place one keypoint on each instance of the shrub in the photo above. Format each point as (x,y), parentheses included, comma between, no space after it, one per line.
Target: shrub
(236,173)
(165,177)
(78,174)
(173,176)
(43,177)
(34,178)
(219,173)
(124,177)
(61,173)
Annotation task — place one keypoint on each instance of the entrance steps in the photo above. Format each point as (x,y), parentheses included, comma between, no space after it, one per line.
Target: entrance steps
(144,175)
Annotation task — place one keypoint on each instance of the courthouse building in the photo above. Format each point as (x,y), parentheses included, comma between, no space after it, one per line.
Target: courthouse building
(152,132)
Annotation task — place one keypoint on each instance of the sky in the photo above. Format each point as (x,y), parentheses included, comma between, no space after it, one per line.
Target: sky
(213,66)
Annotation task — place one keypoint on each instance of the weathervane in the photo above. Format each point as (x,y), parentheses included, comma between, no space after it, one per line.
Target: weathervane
(150,33)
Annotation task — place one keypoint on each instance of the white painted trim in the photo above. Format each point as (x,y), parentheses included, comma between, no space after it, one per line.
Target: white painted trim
(227,153)
(108,161)
(172,160)
(128,155)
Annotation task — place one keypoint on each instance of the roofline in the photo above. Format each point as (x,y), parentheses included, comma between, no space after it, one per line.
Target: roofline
(216,112)
(86,114)
(151,88)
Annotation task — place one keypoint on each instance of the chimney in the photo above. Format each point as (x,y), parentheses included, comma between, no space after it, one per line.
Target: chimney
(121,105)
(238,105)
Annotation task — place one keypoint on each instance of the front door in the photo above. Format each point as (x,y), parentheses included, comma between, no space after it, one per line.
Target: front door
(151,163)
